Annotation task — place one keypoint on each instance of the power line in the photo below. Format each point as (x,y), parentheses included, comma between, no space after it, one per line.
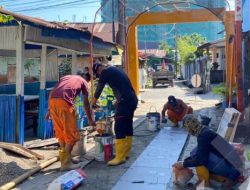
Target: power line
(76,2)
(71,3)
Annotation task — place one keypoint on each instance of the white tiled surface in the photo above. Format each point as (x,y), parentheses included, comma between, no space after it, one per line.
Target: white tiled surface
(152,169)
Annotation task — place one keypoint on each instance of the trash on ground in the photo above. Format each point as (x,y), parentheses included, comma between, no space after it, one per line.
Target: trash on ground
(69,180)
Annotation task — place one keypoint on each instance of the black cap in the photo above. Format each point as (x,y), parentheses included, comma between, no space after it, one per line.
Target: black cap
(95,67)
(172,100)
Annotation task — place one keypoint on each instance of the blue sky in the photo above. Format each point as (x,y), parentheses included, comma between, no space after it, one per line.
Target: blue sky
(82,11)
(78,13)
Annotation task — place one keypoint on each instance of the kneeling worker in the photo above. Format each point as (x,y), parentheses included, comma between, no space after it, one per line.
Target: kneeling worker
(125,107)
(214,158)
(176,110)
(61,111)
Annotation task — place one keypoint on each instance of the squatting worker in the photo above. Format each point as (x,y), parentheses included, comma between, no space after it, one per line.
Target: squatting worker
(125,107)
(62,112)
(214,158)
(176,110)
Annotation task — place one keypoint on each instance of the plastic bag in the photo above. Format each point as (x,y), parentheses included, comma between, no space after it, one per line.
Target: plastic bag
(181,176)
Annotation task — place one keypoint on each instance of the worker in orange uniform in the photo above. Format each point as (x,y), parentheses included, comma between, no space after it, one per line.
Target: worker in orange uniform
(176,110)
(64,117)
(125,107)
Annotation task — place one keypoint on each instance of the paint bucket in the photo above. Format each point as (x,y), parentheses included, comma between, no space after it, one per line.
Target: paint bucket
(103,147)
(153,120)
(106,126)
(79,147)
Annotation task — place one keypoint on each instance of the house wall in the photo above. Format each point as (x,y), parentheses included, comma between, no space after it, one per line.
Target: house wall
(8,37)
(221,58)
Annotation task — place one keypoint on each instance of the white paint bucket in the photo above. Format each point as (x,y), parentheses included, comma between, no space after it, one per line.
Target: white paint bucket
(153,120)
(152,123)
(104,147)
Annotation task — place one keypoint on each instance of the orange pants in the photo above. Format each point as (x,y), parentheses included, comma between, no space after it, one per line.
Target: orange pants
(173,117)
(64,120)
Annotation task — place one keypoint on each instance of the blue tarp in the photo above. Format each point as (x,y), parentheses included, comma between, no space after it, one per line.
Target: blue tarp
(11,121)
(45,128)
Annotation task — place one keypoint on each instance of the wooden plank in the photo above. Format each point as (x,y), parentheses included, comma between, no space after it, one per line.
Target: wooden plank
(17,148)
(40,143)
(74,63)
(20,62)
(228,123)
(235,120)
(43,67)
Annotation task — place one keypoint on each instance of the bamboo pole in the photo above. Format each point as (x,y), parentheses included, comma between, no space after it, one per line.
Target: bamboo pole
(24,176)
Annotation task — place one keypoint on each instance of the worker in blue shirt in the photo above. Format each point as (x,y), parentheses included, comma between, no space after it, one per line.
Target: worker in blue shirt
(126,103)
(214,158)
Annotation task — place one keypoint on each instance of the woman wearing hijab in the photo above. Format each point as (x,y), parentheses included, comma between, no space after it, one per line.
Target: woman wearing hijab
(213,158)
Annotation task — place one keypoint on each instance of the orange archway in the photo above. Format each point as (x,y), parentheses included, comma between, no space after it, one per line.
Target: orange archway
(184,16)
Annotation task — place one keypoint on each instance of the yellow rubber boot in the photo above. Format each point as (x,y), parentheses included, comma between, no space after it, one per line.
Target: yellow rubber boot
(128,146)
(61,152)
(203,175)
(120,154)
(66,163)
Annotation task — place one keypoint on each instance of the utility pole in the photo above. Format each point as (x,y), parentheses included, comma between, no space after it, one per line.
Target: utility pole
(113,21)
(122,22)
(145,40)
(238,35)
(121,34)
(175,47)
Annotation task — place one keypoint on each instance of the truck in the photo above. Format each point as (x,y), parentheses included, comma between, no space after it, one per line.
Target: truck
(163,74)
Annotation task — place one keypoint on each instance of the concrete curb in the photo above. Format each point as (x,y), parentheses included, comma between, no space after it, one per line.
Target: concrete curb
(139,121)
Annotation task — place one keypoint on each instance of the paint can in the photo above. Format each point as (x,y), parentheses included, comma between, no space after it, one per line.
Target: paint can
(153,120)
(79,147)
(103,147)
(106,126)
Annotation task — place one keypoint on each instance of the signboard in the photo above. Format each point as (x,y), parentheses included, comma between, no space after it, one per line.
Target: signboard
(196,80)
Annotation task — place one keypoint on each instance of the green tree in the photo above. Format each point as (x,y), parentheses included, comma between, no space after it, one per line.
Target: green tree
(187,47)
(164,46)
(5,18)
(169,50)
(28,64)
(65,67)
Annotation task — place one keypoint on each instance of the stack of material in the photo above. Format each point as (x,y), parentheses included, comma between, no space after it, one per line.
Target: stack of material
(229,123)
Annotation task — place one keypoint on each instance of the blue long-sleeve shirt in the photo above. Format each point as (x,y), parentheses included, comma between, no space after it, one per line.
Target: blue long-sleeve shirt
(210,142)
(118,82)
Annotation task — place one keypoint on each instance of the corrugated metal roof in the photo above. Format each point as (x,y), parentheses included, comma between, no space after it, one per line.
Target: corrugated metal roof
(101,30)
(57,25)
(38,21)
